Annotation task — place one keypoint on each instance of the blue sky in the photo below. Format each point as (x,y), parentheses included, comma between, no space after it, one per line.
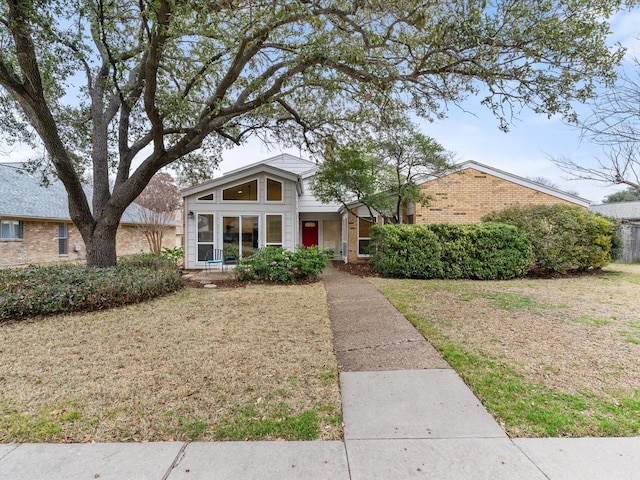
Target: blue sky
(524,150)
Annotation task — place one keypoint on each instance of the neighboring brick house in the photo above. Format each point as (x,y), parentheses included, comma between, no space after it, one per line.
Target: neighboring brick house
(35,226)
(475,190)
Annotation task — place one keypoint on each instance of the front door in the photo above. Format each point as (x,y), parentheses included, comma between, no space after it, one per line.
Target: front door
(309,233)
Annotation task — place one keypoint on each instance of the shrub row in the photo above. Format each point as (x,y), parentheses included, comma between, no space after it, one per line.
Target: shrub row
(476,251)
(564,237)
(275,264)
(43,290)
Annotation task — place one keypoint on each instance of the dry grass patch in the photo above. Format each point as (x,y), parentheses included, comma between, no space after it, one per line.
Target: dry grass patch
(201,364)
(572,341)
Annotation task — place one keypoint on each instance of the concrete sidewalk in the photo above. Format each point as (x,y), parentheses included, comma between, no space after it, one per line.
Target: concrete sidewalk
(406,415)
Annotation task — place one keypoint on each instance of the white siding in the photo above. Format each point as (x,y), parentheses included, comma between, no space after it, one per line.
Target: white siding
(309,203)
(290,163)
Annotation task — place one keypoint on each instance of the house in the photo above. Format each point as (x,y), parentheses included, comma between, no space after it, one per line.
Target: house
(629,215)
(270,203)
(35,226)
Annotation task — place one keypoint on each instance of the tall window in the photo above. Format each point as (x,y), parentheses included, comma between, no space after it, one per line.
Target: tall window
(242,233)
(205,235)
(274,230)
(274,190)
(364,235)
(63,239)
(247,192)
(10,229)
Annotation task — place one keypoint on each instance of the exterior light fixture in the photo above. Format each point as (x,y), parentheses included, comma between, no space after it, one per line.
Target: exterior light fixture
(190,215)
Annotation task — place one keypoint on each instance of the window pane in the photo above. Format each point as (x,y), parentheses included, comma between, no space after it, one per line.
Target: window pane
(203,248)
(206,197)
(249,235)
(364,227)
(274,191)
(246,192)
(205,228)
(63,241)
(274,229)
(11,229)
(363,246)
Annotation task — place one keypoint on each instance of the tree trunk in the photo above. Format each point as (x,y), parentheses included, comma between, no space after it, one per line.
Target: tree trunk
(101,247)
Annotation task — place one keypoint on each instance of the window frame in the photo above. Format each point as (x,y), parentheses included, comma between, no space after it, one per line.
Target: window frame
(63,239)
(246,182)
(12,229)
(266,230)
(210,244)
(266,195)
(374,221)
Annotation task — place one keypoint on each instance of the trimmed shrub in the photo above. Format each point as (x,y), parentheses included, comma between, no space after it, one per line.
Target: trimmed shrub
(44,290)
(475,251)
(276,264)
(405,251)
(563,237)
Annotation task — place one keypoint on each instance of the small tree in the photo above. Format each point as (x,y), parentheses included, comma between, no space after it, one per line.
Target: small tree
(155,209)
(384,174)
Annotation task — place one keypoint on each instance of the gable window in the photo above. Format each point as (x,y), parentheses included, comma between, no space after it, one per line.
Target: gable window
(63,239)
(247,192)
(205,235)
(206,198)
(274,230)
(364,235)
(274,190)
(10,229)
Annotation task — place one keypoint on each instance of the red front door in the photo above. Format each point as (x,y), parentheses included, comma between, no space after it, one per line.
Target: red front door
(309,233)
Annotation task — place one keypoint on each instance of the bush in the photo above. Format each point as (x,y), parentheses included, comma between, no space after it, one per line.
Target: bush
(474,251)
(43,290)
(276,264)
(563,237)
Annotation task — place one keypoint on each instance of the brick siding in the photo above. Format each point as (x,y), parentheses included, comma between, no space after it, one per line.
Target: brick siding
(466,196)
(40,244)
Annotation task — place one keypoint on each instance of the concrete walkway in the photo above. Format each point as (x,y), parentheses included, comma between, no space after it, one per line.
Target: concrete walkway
(406,414)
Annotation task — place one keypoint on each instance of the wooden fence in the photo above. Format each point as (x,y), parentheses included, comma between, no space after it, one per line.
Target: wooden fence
(631,243)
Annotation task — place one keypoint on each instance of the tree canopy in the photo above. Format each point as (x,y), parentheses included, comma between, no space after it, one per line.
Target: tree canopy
(383,173)
(630,194)
(128,88)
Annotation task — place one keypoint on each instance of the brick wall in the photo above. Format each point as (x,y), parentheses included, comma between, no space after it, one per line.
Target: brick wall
(466,196)
(40,244)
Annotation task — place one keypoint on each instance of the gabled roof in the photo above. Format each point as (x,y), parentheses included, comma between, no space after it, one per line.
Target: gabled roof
(520,181)
(240,174)
(24,196)
(284,161)
(622,210)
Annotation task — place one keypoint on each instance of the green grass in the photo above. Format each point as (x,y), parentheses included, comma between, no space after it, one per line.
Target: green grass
(523,408)
(510,302)
(247,424)
(535,410)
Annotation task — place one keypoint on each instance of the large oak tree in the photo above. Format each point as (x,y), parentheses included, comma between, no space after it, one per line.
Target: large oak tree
(129,87)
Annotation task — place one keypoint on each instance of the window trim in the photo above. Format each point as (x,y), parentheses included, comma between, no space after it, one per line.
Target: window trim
(266,190)
(266,230)
(358,237)
(63,240)
(212,243)
(12,229)
(200,200)
(246,181)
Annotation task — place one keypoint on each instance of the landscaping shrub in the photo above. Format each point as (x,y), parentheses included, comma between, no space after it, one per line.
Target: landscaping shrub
(405,251)
(276,264)
(475,251)
(42,290)
(563,237)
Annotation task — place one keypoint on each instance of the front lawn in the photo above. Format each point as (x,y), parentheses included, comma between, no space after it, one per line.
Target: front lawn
(200,364)
(547,357)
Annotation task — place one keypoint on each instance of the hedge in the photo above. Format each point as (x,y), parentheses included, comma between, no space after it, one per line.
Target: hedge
(64,288)
(564,237)
(485,251)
